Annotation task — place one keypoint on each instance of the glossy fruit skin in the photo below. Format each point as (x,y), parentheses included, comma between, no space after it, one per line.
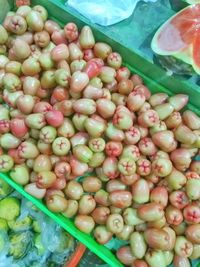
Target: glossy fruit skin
(50,26)
(191,120)
(184,135)
(125,87)
(6,163)
(61,146)
(54,118)
(45,179)
(178,199)
(71,31)
(42,11)
(148,119)
(159,195)
(73,190)
(157,239)
(127,166)
(192,233)
(86,38)
(56,203)
(110,108)
(92,69)
(177,183)
(17,24)
(84,223)
(183,247)
(113,148)
(120,198)
(27,150)
(4,35)
(31,67)
(139,263)
(191,213)
(18,127)
(164,110)
(79,81)
(162,167)
(100,215)
(181,261)
(91,184)
(20,174)
(71,210)
(143,167)
(165,140)
(102,235)
(96,160)
(96,144)
(125,233)
(195,166)
(195,253)
(124,254)
(34,21)
(173,120)
(140,191)
(11,82)
(150,212)
(90,124)
(110,168)
(18,47)
(152,258)
(115,223)
(138,245)
(78,168)
(147,147)
(82,153)
(114,185)
(60,52)
(42,163)
(123,118)
(102,50)
(178,101)
(86,204)
(58,37)
(131,151)
(33,190)
(79,106)
(181,158)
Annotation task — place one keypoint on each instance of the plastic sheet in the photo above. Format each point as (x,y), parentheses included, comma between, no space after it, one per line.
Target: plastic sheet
(34,248)
(105,12)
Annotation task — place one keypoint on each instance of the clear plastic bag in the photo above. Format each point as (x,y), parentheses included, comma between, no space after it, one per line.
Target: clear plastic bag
(105,12)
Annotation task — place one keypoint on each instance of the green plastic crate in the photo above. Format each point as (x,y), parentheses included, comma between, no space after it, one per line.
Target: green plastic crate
(135,60)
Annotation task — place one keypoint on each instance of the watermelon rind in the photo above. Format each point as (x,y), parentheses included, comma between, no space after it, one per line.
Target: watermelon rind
(191,2)
(196,68)
(185,55)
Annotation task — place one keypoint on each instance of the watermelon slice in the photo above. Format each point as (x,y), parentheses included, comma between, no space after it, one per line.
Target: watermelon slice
(179,37)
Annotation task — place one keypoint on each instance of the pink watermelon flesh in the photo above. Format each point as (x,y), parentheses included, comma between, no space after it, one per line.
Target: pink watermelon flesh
(196,52)
(178,33)
(170,40)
